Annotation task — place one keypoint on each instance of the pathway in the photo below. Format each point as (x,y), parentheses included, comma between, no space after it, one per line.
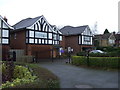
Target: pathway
(71,76)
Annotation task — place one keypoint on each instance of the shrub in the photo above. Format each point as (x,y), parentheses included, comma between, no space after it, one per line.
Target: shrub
(107,62)
(45,78)
(81,54)
(21,76)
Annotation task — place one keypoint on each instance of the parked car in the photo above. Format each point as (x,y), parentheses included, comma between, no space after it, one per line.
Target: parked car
(96,51)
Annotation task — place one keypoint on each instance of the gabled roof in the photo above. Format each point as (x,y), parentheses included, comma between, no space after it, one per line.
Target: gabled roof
(26,22)
(103,36)
(106,36)
(6,22)
(69,30)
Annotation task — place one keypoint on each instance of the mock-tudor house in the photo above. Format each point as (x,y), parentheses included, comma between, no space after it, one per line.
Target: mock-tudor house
(105,39)
(78,38)
(36,37)
(5,36)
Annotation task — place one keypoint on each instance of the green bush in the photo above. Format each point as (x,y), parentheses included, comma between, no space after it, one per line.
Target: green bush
(45,78)
(21,76)
(107,62)
(81,54)
(21,72)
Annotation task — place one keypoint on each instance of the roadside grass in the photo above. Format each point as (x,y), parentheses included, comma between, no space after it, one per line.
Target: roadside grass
(46,79)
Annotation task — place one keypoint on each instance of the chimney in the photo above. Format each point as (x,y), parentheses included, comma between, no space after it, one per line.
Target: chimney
(114,32)
(5,18)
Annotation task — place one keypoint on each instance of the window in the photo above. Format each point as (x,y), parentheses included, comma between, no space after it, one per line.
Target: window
(42,41)
(40,35)
(0,40)
(56,42)
(50,35)
(45,41)
(60,38)
(39,41)
(86,38)
(5,41)
(31,33)
(31,40)
(26,40)
(50,42)
(35,40)
(5,33)
(15,36)
(55,37)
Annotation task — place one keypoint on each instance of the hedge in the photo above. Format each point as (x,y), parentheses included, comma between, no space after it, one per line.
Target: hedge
(107,62)
(108,54)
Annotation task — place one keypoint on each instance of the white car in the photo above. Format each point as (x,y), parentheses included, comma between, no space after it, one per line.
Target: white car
(96,51)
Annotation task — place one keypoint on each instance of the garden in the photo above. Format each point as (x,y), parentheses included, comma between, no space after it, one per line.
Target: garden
(108,60)
(27,75)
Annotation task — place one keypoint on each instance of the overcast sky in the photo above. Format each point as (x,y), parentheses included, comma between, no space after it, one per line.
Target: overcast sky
(64,12)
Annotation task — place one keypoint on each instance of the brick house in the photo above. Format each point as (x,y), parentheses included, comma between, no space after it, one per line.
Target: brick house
(78,38)
(105,39)
(36,37)
(5,36)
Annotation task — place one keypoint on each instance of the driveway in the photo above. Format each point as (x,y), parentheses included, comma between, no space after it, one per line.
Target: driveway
(76,77)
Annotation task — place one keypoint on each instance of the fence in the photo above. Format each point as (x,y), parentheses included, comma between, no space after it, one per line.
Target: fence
(21,57)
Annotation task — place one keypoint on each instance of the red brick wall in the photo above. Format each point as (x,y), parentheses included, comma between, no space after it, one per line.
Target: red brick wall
(5,50)
(72,41)
(19,42)
(62,43)
(40,51)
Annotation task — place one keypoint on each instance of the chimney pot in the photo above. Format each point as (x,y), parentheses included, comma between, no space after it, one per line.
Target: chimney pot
(5,18)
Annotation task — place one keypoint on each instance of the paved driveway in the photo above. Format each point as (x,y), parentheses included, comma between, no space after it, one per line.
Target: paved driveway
(71,76)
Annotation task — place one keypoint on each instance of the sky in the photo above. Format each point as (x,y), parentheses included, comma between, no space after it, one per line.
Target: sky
(100,13)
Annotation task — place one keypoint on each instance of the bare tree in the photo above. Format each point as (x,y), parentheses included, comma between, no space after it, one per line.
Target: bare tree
(94,29)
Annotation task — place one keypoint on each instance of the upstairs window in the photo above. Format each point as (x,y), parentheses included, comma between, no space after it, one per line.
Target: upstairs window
(60,38)
(31,33)
(50,35)
(86,38)
(5,33)
(40,35)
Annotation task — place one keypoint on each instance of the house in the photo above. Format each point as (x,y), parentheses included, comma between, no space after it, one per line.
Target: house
(5,29)
(36,37)
(78,38)
(117,41)
(105,40)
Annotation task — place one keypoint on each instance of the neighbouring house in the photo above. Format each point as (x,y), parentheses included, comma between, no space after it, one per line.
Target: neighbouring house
(78,38)
(117,41)
(36,37)
(5,29)
(104,40)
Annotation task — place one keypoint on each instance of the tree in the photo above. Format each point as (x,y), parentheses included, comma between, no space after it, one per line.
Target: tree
(94,29)
(106,31)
